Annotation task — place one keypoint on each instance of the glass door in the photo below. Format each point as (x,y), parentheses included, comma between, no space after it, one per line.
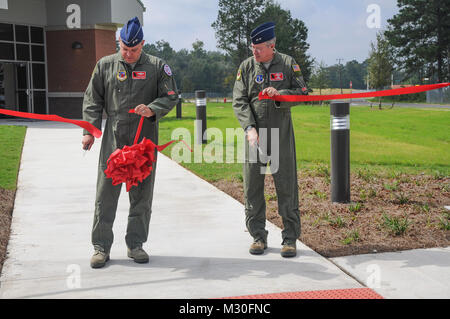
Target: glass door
(24,96)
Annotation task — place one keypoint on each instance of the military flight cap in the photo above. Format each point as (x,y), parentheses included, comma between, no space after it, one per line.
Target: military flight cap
(263,33)
(131,33)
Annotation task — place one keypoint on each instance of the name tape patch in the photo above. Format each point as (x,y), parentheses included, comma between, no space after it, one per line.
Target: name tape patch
(139,75)
(276,76)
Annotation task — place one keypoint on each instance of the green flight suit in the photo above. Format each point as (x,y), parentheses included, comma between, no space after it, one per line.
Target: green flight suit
(116,87)
(284,75)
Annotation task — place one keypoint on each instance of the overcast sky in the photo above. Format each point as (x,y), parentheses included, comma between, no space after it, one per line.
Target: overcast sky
(336,29)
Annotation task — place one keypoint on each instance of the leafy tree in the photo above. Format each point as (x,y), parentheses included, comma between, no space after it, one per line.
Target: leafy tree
(234,23)
(421,37)
(380,65)
(320,77)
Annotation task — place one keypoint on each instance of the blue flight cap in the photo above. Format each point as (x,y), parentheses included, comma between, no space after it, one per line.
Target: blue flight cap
(131,33)
(263,33)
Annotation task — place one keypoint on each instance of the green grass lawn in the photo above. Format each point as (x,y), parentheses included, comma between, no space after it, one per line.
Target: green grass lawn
(11,142)
(401,139)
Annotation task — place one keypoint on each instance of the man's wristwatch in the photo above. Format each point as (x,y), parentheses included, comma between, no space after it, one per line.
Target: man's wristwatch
(248,128)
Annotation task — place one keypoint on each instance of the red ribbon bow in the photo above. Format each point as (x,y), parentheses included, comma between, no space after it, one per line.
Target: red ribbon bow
(132,164)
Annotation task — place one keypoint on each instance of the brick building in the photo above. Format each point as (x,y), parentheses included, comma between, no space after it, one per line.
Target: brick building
(48,49)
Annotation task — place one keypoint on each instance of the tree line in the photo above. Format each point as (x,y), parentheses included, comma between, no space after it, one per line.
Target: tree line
(415,48)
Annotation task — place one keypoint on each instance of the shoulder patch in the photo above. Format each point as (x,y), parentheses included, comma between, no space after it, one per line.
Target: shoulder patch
(239,75)
(296,68)
(167,70)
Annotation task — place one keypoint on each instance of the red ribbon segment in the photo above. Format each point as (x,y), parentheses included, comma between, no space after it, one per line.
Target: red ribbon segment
(307,98)
(55,118)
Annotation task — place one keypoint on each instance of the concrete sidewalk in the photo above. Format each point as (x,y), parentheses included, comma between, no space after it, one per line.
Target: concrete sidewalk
(198,244)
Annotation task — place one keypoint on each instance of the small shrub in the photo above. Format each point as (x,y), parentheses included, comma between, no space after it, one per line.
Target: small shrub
(402,199)
(372,193)
(444,221)
(366,175)
(395,225)
(438,175)
(354,208)
(363,195)
(338,221)
(350,237)
(320,194)
(391,187)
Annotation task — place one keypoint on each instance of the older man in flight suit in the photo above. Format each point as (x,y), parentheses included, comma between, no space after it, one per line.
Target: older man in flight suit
(273,73)
(129,79)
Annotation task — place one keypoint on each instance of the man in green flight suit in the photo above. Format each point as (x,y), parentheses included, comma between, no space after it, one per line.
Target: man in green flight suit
(270,137)
(129,79)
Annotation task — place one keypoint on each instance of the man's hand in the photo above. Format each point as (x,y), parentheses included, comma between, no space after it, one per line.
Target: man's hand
(143,110)
(252,136)
(87,141)
(270,91)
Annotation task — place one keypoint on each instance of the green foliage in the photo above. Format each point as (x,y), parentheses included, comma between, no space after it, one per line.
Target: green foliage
(444,221)
(320,194)
(392,186)
(350,237)
(337,221)
(380,65)
(366,174)
(402,199)
(355,207)
(196,69)
(419,33)
(235,21)
(397,226)
(320,77)
(11,142)
(352,71)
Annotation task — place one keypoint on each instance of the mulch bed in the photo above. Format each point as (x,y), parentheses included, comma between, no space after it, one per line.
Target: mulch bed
(373,221)
(6,208)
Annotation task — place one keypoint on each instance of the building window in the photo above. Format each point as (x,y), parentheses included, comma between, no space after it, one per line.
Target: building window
(22,33)
(23,52)
(6,51)
(37,35)
(6,32)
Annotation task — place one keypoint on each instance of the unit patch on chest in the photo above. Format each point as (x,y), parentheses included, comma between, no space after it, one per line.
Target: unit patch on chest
(276,76)
(139,75)
(121,75)
(259,78)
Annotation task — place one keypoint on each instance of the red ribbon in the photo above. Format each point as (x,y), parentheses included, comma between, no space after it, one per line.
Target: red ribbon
(55,118)
(306,98)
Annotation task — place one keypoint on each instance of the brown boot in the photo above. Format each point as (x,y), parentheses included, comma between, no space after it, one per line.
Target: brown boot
(289,250)
(138,254)
(99,259)
(257,247)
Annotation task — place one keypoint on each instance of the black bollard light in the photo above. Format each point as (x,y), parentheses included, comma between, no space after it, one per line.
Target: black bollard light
(200,101)
(340,152)
(179,105)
